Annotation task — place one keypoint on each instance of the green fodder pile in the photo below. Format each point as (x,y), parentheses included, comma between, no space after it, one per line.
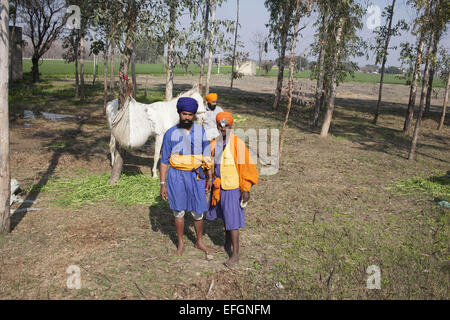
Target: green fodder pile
(436,186)
(132,189)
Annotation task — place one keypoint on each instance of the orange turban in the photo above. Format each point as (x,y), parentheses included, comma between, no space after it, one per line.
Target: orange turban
(225,116)
(211,97)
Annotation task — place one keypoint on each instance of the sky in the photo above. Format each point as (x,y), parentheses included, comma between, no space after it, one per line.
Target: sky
(253,16)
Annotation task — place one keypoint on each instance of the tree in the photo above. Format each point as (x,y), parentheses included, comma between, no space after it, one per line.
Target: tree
(407,59)
(94,51)
(103,30)
(432,73)
(129,15)
(342,42)
(260,40)
(392,70)
(210,49)
(281,18)
(150,50)
(172,35)
(301,8)
(440,28)
(4,119)
(444,62)
(133,70)
(384,35)
(324,16)
(233,73)
(134,18)
(176,38)
(71,43)
(76,39)
(43,22)
(431,24)
(267,66)
(97,47)
(203,43)
(425,7)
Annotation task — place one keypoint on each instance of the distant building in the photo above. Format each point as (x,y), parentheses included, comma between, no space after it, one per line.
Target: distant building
(247,68)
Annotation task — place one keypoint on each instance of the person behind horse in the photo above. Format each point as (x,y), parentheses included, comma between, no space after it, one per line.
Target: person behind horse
(212,109)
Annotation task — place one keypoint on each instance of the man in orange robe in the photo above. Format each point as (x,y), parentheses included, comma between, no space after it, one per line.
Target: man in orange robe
(234,175)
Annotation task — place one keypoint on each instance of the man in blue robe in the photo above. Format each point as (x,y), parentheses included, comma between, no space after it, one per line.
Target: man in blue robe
(186,157)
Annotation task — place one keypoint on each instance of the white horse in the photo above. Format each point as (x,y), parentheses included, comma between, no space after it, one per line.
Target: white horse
(138,122)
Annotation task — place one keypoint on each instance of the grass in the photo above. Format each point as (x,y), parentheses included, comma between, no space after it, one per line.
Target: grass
(90,189)
(436,186)
(314,227)
(59,68)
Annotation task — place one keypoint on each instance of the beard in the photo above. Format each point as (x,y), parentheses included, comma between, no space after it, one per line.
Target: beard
(186,124)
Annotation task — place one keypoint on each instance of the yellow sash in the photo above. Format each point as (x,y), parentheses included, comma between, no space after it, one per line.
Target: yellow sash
(190,162)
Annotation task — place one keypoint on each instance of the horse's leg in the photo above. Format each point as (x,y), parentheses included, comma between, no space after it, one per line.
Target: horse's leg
(158,144)
(112,148)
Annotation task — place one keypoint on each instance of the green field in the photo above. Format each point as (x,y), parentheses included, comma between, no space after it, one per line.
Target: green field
(59,68)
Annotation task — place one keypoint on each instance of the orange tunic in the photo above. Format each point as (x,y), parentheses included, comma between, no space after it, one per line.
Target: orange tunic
(246,168)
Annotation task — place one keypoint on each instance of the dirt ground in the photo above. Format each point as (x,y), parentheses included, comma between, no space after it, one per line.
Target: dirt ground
(312,230)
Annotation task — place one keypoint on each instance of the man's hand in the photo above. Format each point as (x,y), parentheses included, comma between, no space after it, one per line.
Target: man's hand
(163,192)
(208,186)
(163,175)
(245,196)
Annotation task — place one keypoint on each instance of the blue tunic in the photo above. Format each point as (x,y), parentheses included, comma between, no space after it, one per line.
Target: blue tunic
(185,192)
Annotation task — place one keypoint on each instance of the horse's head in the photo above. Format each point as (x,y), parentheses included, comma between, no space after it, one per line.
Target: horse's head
(201,111)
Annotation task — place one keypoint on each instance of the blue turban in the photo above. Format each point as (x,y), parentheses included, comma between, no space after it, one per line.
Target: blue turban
(187,104)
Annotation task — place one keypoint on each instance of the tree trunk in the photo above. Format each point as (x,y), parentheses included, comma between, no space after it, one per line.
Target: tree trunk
(170,51)
(320,74)
(133,70)
(4,120)
(284,37)
(125,60)
(383,65)
(380,90)
(111,69)
(412,150)
(234,48)
(444,107)
(291,77)
(213,19)
(413,91)
(333,84)
(203,49)
(77,77)
(35,67)
(105,78)
(94,71)
(432,73)
(218,64)
(82,96)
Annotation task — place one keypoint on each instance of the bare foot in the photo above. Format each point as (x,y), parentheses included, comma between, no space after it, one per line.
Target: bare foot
(180,250)
(204,248)
(233,262)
